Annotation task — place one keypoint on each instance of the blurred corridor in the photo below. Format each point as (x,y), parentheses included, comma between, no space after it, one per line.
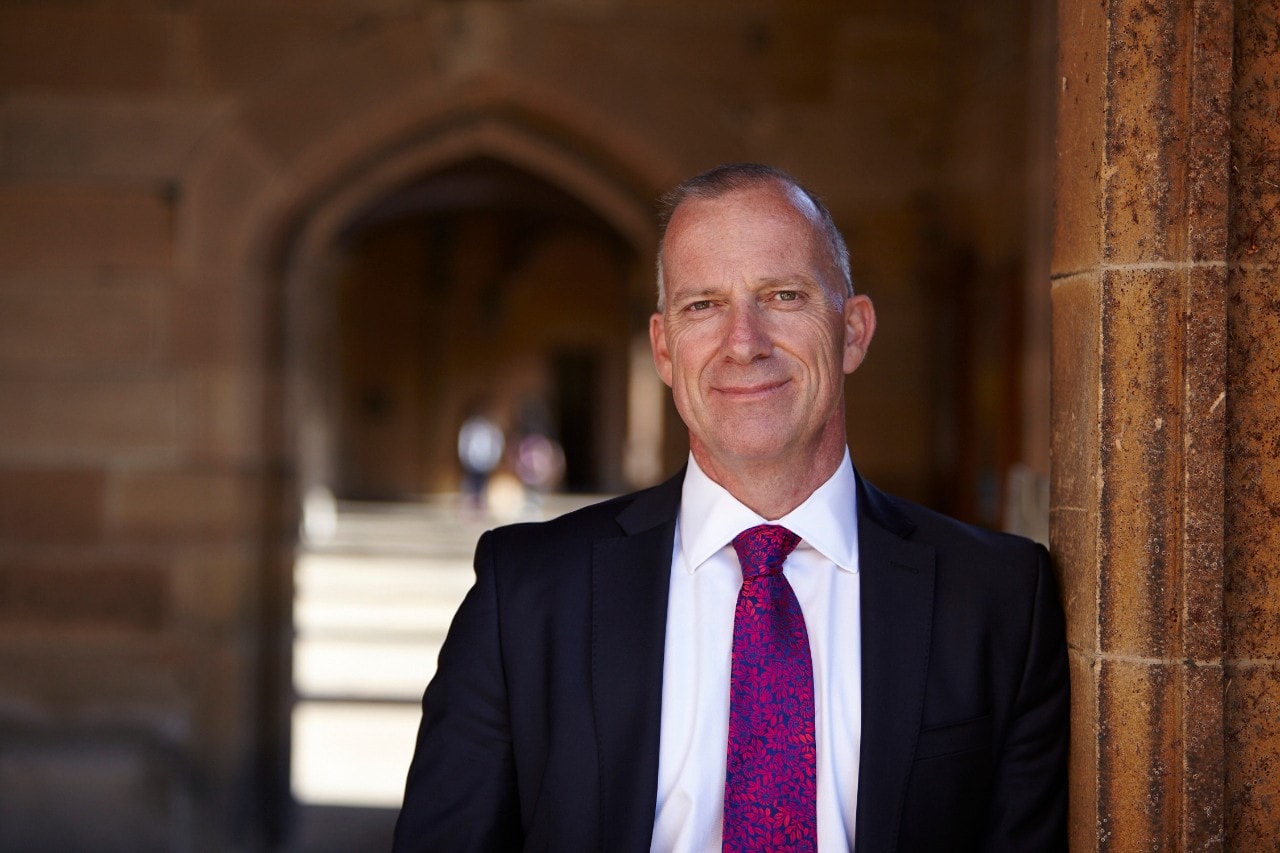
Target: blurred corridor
(376,589)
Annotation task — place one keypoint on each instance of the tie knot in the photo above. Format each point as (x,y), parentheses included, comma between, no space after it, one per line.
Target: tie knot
(762,549)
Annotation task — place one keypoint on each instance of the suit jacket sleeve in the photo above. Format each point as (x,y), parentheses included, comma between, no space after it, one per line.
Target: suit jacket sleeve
(1029,798)
(461,792)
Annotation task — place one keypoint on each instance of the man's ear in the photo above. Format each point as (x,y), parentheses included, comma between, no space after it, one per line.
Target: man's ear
(859,328)
(658,343)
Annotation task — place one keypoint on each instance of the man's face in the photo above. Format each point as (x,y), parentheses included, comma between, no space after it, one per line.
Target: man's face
(756,334)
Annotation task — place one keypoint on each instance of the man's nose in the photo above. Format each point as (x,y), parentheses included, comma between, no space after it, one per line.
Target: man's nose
(746,338)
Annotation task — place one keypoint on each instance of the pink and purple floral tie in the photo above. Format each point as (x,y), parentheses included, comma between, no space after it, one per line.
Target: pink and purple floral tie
(770,789)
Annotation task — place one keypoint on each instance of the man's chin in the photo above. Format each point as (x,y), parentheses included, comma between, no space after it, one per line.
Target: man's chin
(745,449)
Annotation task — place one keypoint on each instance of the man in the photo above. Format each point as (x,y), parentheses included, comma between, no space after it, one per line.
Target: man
(636,676)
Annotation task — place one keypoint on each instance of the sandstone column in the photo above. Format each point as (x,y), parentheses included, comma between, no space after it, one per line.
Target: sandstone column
(1166,377)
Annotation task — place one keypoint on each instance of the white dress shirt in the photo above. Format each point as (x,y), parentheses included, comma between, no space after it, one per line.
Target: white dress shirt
(705,579)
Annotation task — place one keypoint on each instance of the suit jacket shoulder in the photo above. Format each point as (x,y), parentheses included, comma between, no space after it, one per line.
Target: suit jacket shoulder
(540,728)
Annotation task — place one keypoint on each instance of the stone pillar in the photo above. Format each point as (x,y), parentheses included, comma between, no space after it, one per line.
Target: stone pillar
(1165,425)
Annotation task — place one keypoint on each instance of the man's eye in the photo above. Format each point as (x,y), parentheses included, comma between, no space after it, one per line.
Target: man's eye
(700,305)
(787,295)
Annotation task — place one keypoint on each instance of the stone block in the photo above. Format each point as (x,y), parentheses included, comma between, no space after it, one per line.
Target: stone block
(107,792)
(1082,770)
(1140,465)
(88,419)
(215,589)
(1139,765)
(1077,340)
(83,48)
(1252,739)
(173,503)
(214,324)
(1252,589)
(1204,463)
(1081,143)
(117,596)
(1209,120)
(215,214)
(62,229)
(239,46)
(106,668)
(1075,430)
(316,100)
(55,504)
(1073,539)
(1145,183)
(1203,770)
(107,139)
(222,414)
(1255,183)
(91,326)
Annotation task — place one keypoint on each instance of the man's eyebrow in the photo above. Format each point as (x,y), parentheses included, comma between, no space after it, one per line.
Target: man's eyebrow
(791,281)
(695,292)
(707,290)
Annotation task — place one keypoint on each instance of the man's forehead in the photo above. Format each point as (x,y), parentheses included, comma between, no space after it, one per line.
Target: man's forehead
(772,202)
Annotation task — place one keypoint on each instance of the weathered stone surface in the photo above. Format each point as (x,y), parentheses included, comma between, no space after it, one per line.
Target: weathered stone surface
(85,419)
(91,325)
(1204,409)
(83,47)
(96,789)
(214,589)
(1138,762)
(56,671)
(288,117)
(1252,594)
(1252,741)
(1081,144)
(1082,770)
(168,503)
(1209,124)
(1140,463)
(1255,167)
(50,504)
(50,596)
(239,47)
(1146,169)
(221,416)
(1203,751)
(1075,425)
(1156,671)
(72,228)
(1253,477)
(213,324)
(106,139)
(211,221)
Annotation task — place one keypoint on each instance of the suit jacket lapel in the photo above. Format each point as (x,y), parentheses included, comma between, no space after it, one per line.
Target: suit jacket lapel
(897,615)
(631,576)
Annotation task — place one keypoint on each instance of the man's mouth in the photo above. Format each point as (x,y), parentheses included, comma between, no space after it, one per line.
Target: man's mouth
(752,390)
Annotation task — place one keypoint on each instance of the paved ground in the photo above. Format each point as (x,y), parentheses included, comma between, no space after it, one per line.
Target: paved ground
(374,597)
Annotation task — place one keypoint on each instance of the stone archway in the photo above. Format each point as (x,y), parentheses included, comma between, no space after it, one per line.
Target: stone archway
(254,228)
(495,138)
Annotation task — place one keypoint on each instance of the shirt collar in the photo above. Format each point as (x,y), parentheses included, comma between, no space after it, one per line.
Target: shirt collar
(827,521)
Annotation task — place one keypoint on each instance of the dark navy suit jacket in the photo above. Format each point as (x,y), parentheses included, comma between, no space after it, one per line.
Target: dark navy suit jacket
(540,728)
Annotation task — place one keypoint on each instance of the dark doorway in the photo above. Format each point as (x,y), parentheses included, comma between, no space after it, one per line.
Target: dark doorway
(479,283)
(576,375)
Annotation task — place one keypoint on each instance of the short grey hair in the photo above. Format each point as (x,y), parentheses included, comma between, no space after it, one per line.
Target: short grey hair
(733,177)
